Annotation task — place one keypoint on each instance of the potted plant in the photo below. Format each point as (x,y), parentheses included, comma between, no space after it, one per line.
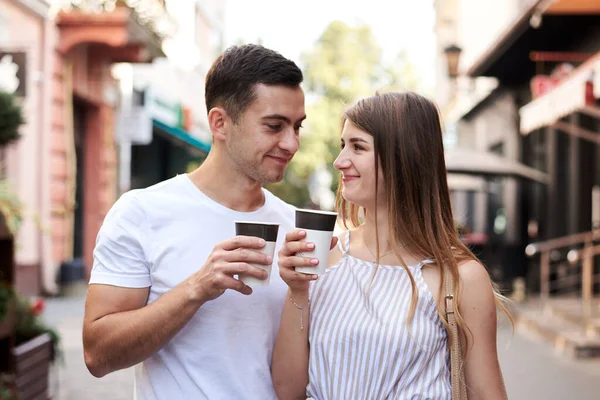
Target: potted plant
(11,118)
(36,347)
(29,346)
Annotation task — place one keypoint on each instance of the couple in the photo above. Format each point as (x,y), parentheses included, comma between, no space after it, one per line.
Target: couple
(163,293)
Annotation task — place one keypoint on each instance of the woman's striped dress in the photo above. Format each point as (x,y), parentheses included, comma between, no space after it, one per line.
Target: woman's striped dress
(360,344)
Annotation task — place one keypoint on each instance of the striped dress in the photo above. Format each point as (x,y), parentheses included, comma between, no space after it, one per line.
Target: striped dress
(360,345)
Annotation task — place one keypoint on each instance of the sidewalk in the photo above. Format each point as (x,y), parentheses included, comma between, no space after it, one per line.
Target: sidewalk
(72,380)
(532,370)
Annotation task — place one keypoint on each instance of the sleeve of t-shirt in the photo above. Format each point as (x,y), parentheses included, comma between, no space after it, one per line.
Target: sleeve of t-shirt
(119,257)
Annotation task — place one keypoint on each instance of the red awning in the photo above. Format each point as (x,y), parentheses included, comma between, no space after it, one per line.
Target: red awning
(565,99)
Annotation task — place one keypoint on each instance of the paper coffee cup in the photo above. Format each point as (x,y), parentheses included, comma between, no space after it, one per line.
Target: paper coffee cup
(319,226)
(266,230)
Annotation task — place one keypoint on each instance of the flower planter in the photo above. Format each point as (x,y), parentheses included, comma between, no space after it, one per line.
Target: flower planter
(7,324)
(32,361)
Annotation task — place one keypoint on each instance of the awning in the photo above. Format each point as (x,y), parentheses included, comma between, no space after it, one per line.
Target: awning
(565,99)
(181,136)
(508,58)
(473,162)
(466,183)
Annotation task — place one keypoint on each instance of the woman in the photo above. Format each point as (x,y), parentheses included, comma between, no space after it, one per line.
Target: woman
(374,323)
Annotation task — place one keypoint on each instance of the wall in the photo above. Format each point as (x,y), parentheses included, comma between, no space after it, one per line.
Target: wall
(23,29)
(83,75)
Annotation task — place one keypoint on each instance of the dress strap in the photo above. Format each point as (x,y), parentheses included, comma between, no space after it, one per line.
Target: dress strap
(422,263)
(344,242)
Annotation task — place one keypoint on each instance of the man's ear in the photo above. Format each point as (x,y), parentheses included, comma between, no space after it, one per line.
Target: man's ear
(217,121)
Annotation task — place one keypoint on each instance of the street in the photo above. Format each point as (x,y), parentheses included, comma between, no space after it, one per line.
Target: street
(531,369)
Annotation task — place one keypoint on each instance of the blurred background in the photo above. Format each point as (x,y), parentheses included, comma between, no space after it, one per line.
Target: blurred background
(98,97)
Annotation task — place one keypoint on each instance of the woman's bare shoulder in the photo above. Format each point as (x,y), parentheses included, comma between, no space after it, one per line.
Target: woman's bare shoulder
(477,291)
(473,274)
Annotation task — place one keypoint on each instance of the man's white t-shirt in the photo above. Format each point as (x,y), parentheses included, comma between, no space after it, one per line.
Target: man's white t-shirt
(157,237)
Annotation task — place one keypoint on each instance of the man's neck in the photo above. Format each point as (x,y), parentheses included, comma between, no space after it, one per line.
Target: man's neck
(226,186)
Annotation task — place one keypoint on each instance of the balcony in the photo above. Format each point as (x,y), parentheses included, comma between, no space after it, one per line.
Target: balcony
(117,23)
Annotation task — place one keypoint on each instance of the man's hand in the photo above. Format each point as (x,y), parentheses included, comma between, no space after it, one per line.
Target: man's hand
(228,258)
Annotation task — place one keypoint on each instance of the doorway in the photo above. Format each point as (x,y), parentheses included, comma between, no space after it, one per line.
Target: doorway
(79,133)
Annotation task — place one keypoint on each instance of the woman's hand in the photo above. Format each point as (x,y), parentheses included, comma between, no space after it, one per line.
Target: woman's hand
(288,260)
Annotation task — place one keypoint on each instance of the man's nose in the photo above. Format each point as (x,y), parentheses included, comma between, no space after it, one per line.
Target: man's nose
(290,141)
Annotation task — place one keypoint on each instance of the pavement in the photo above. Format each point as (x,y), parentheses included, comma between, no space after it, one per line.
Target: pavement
(532,369)
(70,378)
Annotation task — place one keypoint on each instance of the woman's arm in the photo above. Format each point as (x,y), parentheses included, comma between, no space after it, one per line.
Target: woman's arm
(478,309)
(290,357)
(289,367)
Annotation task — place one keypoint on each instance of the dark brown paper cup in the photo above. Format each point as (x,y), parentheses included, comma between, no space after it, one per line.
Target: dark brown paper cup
(319,226)
(267,231)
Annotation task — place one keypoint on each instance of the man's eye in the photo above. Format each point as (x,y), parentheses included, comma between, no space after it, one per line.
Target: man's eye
(274,127)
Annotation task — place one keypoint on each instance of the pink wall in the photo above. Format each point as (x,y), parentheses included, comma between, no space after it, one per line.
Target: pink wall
(27,161)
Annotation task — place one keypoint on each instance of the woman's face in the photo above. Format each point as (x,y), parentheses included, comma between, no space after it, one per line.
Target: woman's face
(356,162)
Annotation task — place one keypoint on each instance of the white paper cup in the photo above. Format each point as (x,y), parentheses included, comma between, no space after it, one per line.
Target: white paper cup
(267,231)
(319,226)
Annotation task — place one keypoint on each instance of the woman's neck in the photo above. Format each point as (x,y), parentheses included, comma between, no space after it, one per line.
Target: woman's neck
(376,230)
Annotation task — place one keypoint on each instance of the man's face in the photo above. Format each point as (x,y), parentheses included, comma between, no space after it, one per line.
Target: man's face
(267,134)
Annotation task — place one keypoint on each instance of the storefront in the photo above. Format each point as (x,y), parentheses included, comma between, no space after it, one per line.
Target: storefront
(176,141)
(548,76)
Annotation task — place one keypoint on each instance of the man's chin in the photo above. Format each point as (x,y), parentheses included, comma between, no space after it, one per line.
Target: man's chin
(268,179)
(271,181)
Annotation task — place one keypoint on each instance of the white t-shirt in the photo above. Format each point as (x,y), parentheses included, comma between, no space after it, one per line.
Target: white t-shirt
(157,237)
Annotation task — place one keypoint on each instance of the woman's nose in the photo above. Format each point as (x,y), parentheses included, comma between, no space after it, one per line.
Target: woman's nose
(341,162)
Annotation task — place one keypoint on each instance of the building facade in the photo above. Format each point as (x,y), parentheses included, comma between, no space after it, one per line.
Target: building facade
(27,38)
(65,167)
(539,62)
(172,90)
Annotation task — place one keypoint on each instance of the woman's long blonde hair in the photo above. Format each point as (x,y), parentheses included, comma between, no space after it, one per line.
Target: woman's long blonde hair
(408,144)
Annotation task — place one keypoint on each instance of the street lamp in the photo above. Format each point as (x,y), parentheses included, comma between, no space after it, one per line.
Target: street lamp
(452,57)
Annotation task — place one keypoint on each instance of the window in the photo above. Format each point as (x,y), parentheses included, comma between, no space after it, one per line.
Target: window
(450,136)
(4,28)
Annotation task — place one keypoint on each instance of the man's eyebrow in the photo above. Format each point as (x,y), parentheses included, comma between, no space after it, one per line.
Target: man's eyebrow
(281,118)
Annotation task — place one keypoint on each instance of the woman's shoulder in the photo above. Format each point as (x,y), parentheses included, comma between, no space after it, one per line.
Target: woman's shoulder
(341,247)
(337,251)
(473,274)
(477,291)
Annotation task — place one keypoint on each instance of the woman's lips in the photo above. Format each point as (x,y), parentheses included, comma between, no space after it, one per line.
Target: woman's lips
(349,178)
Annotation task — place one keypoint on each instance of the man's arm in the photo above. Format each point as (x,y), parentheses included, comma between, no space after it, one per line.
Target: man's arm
(120,330)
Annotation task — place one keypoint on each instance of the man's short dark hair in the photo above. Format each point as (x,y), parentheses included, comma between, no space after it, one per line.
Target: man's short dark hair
(232,78)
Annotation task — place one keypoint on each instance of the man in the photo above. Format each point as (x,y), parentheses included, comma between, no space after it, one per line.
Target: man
(162,293)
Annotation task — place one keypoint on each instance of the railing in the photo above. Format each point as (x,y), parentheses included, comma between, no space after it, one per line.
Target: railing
(573,256)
